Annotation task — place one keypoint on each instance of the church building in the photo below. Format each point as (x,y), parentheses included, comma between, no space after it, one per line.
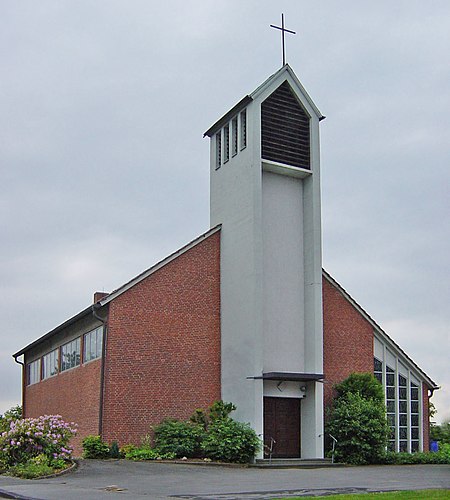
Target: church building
(243,313)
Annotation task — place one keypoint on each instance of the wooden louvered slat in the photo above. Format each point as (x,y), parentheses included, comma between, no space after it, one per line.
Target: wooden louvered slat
(280,119)
(288,151)
(280,135)
(285,131)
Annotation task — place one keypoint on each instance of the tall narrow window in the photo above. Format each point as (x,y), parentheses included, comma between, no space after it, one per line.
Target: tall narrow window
(402,413)
(70,354)
(218,149)
(50,364)
(234,136)
(390,406)
(414,417)
(34,372)
(403,408)
(226,140)
(243,129)
(378,370)
(93,342)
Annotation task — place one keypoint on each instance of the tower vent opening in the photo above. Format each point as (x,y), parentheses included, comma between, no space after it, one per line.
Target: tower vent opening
(285,132)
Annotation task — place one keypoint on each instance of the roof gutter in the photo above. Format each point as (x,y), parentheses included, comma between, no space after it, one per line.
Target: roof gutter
(432,389)
(15,356)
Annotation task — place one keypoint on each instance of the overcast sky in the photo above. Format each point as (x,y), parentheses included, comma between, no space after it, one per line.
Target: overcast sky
(104,171)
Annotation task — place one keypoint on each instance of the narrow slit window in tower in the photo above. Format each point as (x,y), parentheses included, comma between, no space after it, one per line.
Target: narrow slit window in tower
(243,129)
(226,139)
(234,136)
(218,149)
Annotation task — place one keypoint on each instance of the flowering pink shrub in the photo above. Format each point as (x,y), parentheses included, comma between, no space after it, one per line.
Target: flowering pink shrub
(27,438)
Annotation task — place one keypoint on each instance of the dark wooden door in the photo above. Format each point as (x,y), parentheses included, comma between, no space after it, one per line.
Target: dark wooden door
(282,423)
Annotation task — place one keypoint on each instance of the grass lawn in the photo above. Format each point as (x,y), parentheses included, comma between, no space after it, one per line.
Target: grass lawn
(394,495)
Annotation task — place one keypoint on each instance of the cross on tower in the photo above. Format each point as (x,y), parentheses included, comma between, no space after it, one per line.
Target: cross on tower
(283,30)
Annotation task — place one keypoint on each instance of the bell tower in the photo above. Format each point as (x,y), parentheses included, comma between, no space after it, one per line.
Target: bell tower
(265,191)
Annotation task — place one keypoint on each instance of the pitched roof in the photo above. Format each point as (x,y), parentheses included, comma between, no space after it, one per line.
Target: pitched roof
(70,321)
(250,97)
(118,291)
(386,338)
(114,294)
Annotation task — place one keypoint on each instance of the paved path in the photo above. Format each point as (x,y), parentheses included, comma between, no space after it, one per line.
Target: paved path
(150,480)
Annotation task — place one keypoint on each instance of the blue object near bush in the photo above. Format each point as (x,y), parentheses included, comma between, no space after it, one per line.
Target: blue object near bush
(434,446)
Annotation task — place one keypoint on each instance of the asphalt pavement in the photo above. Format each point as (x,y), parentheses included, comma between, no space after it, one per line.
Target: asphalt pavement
(122,479)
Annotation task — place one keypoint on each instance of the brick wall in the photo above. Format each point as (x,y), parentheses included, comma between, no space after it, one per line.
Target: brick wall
(347,338)
(73,394)
(425,418)
(163,345)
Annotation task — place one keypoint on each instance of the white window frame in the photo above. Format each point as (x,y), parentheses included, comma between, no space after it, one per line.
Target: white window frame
(93,345)
(72,349)
(34,372)
(50,359)
(389,359)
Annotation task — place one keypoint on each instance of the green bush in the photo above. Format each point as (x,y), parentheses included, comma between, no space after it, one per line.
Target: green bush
(30,470)
(37,466)
(199,417)
(148,454)
(126,449)
(94,447)
(211,434)
(440,433)
(444,453)
(182,439)
(358,420)
(230,441)
(220,410)
(364,384)
(114,451)
(441,457)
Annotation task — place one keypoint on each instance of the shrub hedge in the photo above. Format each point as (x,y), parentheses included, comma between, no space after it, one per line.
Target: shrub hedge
(183,439)
(440,457)
(230,441)
(94,447)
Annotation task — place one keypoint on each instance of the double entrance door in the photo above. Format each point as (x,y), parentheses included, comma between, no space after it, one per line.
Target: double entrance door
(282,427)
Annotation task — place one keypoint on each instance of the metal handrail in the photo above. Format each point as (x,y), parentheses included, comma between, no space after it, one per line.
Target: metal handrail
(270,447)
(334,447)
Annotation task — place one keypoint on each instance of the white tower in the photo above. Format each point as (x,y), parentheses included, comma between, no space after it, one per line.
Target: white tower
(265,191)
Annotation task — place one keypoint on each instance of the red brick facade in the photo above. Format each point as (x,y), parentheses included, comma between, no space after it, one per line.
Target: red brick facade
(163,352)
(163,345)
(347,340)
(348,347)
(73,394)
